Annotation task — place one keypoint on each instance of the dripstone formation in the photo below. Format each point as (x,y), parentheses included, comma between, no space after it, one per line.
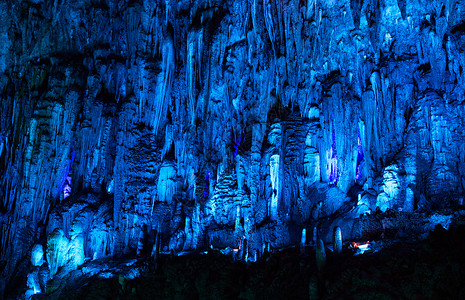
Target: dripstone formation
(135,127)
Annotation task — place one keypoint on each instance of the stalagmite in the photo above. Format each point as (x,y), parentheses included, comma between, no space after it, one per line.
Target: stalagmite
(275,186)
(303,240)
(33,285)
(237,224)
(337,240)
(216,121)
(57,250)
(245,249)
(37,255)
(157,245)
(320,255)
(140,243)
(315,235)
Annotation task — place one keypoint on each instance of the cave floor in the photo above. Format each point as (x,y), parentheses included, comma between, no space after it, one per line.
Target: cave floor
(428,269)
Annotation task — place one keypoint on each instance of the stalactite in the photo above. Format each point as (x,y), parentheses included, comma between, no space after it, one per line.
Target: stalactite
(166,183)
(136,103)
(269,24)
(164,82)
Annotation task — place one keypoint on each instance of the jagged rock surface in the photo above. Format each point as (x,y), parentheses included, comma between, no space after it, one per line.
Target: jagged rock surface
(215,120)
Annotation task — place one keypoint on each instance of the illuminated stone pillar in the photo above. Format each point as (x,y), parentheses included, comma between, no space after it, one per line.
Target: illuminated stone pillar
(275,186)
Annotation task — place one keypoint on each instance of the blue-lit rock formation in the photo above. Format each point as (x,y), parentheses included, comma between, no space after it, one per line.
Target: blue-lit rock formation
(210,123)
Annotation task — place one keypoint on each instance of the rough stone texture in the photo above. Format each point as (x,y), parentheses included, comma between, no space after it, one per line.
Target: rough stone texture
(117,116)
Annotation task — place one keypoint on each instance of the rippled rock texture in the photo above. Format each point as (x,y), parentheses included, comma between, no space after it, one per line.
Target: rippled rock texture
(129,127)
